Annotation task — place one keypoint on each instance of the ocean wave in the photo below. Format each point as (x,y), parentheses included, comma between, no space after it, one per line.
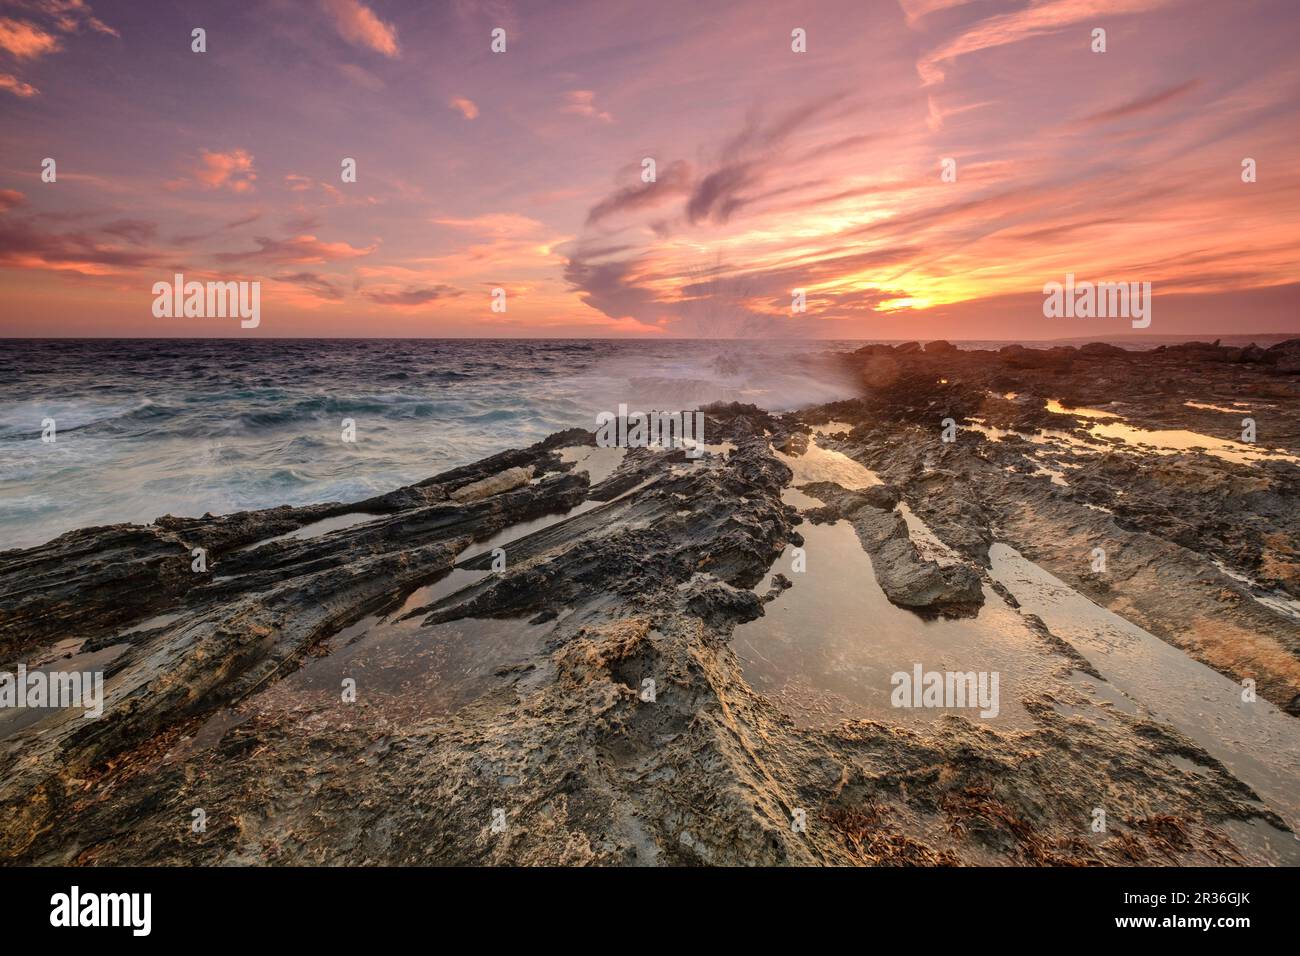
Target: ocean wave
(223,425)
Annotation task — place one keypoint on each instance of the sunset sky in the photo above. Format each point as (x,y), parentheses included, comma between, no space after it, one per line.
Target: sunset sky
(776,170)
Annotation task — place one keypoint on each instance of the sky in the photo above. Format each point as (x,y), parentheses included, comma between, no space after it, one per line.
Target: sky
(524,170)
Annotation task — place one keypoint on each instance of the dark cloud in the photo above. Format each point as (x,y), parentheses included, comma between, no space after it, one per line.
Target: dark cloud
(612,287)
(297,249)
(716,196)
(749,158)
(233,224)
(712,299)
(1142,103)
(137,231)
(304,223)
(675,180)
(243,221)
(414,296)
(313,283)
(22,243)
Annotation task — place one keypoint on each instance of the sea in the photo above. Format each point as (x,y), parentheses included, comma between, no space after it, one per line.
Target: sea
(144,428)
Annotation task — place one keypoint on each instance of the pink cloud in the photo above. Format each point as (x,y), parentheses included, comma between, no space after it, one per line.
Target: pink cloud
(298,183)
(301,250)
(495,224)
(26,41)
(68,15)
(915,10)
(232,170)
(16,86)
(467,107)
(1035,20)
(583,103)
(358,25)
(26,244)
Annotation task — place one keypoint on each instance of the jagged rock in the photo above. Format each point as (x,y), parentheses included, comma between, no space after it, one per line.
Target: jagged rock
(589,685)
(715,601)
(1284,356)
(507,480)
(908,579)
(779,583)
(795,444)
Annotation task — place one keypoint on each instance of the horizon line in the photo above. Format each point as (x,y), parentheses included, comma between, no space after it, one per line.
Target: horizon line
(1180,336)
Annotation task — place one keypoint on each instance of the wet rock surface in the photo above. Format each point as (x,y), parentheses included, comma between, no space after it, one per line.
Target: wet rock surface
(908,579)
(1199,549)
(608,719)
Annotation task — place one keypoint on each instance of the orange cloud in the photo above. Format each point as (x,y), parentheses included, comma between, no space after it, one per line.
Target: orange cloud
(1038,19)
(232,170)
(16,86)
(298,183)
(495,224)
(358,25)
(25,244)
(70,15)
(467,107)
(26,41)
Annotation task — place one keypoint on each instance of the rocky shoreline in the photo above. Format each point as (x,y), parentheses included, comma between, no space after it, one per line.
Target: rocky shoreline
(500,622)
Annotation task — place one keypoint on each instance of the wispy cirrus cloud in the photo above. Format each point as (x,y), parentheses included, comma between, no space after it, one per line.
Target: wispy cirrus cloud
(1142,104)
(135,231)
(298,183)
(498,224)
(676,180)
(583,103)
(1035,19)
(304,250)
(749,159)
(819,172)
(916,10)
(187,238)
(314,284)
